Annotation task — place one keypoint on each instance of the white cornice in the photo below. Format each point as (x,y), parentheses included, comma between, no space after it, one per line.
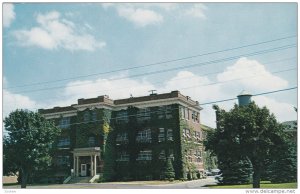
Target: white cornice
(92,106)
(60,114)
(161,102)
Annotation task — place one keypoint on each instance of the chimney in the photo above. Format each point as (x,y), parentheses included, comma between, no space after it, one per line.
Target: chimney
(244,98)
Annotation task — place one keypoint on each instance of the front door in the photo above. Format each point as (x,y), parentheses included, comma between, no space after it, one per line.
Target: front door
(83,170)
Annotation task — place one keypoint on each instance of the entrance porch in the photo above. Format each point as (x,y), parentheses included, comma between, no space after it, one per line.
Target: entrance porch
(86,161)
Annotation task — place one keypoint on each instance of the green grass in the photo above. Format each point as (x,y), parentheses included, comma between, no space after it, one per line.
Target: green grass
(263,185)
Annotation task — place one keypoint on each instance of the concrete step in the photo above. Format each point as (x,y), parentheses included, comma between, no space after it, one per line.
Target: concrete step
(80,180)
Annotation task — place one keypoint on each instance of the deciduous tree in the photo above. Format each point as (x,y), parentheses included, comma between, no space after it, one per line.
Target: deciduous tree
(28,143)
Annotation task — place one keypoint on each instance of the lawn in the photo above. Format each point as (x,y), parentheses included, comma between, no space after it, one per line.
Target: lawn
(263,185)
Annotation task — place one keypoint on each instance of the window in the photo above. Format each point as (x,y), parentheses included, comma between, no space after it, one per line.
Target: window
(123,156)
(186,133)
(63,142)
(186,114)
(63,160)
(145,155)
(144,114)
(122,116)
(162,155)
(182,112)
(64,122)
(161,135)
(198,156)
(164,112)
(171,154)
(144,136)
(122,138)
(195,116)
(92,141)
(86,116)
(170,134)
(94,116)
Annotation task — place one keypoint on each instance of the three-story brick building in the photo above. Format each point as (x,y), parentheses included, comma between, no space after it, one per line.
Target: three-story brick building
(144,132)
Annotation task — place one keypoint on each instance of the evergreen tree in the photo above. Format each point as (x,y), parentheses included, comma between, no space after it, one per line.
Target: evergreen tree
(283,168)
(235,170)
(168,172)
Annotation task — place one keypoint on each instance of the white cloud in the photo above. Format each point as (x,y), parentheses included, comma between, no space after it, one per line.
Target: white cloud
(197,11)
(139,16)
(188,83)
(253,76)
(144,14)
(8,14)
(13,101)
(282,110)
(54,32)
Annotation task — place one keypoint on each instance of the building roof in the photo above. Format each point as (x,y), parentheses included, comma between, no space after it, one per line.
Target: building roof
(290,125)
(107,102)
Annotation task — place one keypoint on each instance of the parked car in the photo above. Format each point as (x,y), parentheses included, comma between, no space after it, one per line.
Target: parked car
(215,171)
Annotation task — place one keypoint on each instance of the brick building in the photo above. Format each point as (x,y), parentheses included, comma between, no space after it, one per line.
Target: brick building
(142,132)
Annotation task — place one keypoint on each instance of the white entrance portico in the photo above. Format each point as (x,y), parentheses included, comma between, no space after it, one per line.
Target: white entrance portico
(86,161)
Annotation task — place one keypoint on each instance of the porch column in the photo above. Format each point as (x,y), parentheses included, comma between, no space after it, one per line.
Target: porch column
(92,165)
(95,163)
(77,165)
(74,161)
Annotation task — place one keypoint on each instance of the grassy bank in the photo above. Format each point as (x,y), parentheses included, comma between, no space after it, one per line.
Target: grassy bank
(263,185)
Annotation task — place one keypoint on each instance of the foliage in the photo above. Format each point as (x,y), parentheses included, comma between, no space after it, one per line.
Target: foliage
(235,170)
(28,144)
(109,158)
(283,168)
(168,172)
(246,131)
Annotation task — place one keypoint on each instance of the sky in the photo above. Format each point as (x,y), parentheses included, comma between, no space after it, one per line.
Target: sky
(56,53)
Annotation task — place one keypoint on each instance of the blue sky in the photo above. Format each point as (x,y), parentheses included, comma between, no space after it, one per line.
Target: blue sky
(46,42)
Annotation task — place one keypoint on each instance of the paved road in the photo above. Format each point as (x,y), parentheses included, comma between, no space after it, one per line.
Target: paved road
(196,184)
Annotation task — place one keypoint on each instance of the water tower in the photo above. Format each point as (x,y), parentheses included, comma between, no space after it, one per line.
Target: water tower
(244,98)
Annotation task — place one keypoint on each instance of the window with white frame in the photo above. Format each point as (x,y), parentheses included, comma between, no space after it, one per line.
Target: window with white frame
(122,137)
(94,116)
(122,116)
(63,160)
(186,133)
(198,156)
(92,141)
(170,135)
(144,114)
(123,156)
(144,136)
(171,154)
(195,116)
(165,112)
(186,113)
(182,112)
(161,135)
(63,142)
(64,122)
(86,116)
(162,155)
(145,155)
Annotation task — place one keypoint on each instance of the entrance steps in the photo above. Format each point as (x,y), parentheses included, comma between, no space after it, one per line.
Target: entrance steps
(80,180)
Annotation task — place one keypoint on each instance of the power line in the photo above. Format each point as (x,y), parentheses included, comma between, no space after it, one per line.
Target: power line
(153,64)
(172,69)
(222,82)
(163,111)
(259,94)
(189,77)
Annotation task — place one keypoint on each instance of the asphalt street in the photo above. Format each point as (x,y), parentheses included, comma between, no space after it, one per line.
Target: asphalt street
(195,184)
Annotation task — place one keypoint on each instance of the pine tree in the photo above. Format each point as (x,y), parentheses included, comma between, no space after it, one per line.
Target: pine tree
(169,172)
